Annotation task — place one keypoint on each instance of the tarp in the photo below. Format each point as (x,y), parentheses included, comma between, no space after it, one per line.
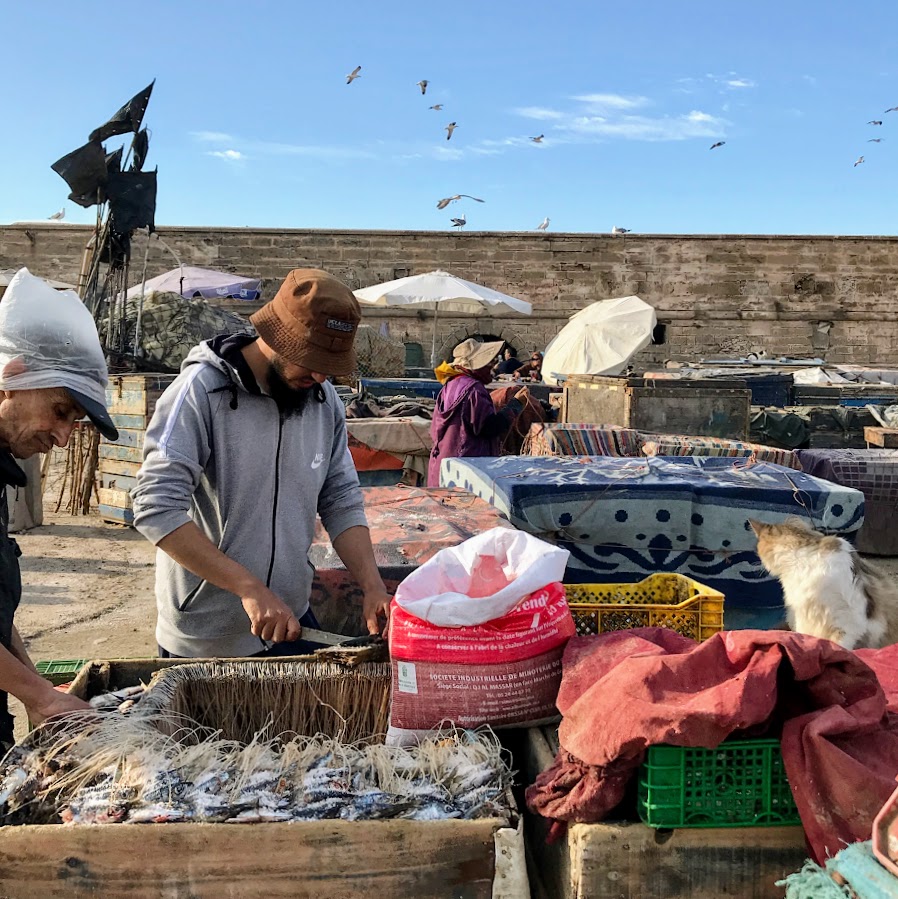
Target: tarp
(201,282)
(600,339)
(838,712)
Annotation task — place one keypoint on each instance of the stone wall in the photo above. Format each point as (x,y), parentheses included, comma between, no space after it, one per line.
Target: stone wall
(717,295)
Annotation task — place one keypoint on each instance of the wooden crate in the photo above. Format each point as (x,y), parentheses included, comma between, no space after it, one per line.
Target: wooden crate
(316,859)
(699,411)
(131,400)
(624,860)
(884,438)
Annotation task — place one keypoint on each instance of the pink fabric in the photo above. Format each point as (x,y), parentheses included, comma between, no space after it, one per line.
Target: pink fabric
(626,690)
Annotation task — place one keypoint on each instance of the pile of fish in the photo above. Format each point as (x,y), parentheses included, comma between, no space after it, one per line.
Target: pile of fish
(151,778)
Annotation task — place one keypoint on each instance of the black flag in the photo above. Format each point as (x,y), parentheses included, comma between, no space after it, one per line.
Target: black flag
(84,170)
(114,160)
(141,148)
(128,118)
(132,200)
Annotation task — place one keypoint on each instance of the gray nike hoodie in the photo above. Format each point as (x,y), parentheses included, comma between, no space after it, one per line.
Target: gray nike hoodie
(253,481)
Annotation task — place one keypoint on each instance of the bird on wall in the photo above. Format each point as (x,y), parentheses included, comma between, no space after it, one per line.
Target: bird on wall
(860,159)
(543,224)
(616,230)
(437,106)
(449,129)
(58,216)
(875,122)
(423,85)
(719,143)
(460,222)
(447,200)
(353,75)
(539,139)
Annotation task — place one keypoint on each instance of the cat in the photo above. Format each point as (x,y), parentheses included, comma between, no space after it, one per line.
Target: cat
(830,591)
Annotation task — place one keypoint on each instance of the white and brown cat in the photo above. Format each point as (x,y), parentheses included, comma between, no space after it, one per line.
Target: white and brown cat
(830,591)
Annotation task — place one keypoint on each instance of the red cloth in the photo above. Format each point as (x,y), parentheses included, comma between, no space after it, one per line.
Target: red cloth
(626,690)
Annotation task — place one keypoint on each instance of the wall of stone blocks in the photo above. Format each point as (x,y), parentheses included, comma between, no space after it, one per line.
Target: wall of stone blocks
(836,297)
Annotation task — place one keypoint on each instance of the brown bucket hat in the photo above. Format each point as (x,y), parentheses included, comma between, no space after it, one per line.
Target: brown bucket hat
(312,322)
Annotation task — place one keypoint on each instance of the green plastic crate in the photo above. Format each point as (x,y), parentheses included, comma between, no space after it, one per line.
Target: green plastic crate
(60,671)
(742,783)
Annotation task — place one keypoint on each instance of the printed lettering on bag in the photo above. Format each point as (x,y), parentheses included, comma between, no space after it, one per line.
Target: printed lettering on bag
(336,325)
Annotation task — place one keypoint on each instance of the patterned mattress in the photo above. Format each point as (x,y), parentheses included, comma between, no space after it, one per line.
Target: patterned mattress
(623,519)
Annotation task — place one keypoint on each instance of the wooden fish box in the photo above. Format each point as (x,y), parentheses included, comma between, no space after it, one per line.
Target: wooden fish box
(328,859)
(697,410)
(628,860)
(131,400)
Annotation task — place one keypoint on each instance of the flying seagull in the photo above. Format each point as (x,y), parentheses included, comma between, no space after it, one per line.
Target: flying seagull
(892,109)
(423,85)
(447,200)
(875,122)
(58,216)
(543,224)
(450,128)
(719,143)
(538,140)
(616,230)
(860,159)
(437,107)
(875,140)
(353,75)
(459,222)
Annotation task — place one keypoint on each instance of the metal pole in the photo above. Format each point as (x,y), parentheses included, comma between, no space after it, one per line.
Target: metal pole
(143,290)
(433,346)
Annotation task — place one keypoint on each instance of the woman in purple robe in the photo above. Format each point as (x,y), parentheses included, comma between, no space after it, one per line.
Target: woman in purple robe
(465,422)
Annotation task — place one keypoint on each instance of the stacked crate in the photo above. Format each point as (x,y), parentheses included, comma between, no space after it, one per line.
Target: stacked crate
(131,400)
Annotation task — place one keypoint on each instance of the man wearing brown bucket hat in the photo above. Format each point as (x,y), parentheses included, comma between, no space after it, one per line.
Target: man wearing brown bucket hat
(245,447)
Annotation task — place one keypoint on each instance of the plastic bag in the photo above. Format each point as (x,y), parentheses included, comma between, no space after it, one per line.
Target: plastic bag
(49,339)
(477,634)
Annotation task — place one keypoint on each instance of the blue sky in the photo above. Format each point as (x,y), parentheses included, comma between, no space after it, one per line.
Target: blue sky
(253,123)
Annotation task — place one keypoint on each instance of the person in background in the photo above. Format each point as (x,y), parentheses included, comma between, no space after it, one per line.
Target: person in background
(465,422)
(532,370)
(508,365)
(246,447)
(52,373)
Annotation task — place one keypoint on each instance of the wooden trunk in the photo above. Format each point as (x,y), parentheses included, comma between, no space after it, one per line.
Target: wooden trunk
(700,411)
(131,400)
(627,860)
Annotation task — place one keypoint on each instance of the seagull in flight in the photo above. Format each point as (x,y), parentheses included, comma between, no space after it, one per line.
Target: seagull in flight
(875,140)
(423,85)
(447,200)
(892,109)
(449,129)
(875,122)
(58,216)
(543,224)
(860,159)
(437,107)
(616,230)
(353,75)
(459,222)
(719,143)
(538,140)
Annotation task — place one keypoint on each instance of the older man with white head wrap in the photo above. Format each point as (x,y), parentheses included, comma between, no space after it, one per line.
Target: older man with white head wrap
(52,373)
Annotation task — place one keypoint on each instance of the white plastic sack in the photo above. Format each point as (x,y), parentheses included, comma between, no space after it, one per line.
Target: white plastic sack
(481,579)
(49,339)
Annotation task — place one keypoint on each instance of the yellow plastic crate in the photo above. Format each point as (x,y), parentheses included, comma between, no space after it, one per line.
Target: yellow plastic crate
(661,600)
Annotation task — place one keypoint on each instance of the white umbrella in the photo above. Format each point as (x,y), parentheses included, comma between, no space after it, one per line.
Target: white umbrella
(441,292)
(600,339)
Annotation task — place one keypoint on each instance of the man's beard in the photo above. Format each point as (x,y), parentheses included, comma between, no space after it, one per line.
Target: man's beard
(290,401)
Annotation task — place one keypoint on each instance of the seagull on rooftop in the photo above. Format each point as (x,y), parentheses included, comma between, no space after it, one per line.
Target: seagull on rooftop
(449,129)
(875,140)
(423,85)
(860,159)
(437,106)
(719,143)
(616,230)
(58,216)
(447,200)
(543,224)
(460,222)
(353,75)
(875,122)
(538,140)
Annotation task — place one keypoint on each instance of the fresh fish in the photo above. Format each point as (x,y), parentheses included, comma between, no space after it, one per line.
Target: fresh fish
(325,808)
(373,804)
(432,811)
(13,781)
(470,777)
